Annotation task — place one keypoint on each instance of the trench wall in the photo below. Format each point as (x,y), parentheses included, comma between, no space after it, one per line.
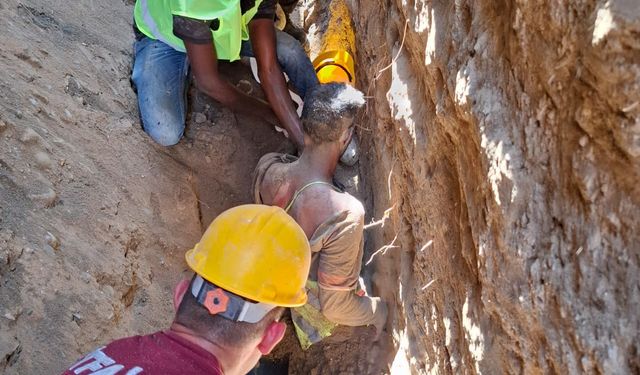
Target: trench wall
(502,145)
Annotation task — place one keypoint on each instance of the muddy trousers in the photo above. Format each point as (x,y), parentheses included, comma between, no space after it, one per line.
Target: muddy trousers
(160,76)
(349,309)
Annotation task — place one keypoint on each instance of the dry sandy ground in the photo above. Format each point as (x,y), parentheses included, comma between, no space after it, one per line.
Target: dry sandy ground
(95,218)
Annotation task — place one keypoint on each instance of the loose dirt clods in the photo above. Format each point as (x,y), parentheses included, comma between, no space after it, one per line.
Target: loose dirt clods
(30,137)
(52,241)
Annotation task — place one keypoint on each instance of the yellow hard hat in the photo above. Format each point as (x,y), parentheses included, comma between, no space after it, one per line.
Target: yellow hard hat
(281,18)
(335,66)
(257,252)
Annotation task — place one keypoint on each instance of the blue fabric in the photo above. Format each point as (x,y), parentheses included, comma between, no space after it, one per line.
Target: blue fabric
(160,75)
(293,61)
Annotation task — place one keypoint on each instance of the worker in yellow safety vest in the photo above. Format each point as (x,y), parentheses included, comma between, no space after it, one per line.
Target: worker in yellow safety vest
(252,261)
(176,36)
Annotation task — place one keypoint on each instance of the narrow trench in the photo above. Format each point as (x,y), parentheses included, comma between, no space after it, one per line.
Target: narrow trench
(349,349)
(234,143)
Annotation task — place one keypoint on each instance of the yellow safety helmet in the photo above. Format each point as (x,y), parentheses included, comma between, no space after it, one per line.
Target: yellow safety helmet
(257,252)
(281,18)
(335,66)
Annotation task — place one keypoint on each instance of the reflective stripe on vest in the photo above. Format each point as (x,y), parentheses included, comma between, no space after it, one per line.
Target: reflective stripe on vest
(151,24)
(154,18)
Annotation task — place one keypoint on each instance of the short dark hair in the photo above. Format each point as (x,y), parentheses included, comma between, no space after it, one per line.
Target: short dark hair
(217,328)
(325,107)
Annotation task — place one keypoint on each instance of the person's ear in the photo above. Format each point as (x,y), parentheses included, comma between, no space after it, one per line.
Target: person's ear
(271,337)
(179,291)
(307,141)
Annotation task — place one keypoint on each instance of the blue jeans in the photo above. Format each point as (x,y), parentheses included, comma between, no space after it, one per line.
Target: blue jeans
(160,75)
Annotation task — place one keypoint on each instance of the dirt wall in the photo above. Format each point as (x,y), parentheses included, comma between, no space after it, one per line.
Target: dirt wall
(504,146)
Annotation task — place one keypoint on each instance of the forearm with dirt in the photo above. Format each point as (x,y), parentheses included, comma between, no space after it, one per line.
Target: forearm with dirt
(227,94)
(275,88)
(204,64)
(349,309)
(263,41)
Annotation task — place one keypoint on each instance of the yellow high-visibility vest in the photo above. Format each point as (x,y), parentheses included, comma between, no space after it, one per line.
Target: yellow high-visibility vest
(154,18)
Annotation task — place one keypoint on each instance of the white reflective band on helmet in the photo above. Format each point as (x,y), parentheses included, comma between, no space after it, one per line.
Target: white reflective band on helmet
(254,312)
(234,307)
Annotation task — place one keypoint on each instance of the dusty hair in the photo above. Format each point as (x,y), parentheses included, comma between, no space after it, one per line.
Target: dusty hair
(219,329)
(326,108)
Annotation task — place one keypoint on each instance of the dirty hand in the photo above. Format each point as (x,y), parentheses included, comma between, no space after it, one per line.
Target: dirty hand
(382,312)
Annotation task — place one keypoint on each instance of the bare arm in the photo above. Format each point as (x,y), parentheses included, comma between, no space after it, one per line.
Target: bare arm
(204,62)
(263,41)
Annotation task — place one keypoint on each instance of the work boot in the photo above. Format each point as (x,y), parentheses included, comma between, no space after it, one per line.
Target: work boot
(350,155)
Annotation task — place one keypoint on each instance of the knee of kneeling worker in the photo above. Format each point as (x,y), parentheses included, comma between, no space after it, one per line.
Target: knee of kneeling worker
(289,50)
(165,136)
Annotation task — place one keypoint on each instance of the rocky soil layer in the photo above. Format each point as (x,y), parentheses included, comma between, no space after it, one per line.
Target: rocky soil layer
(504,142)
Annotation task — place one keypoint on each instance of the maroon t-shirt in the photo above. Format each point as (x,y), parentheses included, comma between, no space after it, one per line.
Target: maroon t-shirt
(160,353)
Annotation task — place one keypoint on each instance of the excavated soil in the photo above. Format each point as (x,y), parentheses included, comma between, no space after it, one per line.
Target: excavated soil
(500,166)
(94,217)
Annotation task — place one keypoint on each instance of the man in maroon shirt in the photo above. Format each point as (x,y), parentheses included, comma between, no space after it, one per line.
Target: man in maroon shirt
(216,331)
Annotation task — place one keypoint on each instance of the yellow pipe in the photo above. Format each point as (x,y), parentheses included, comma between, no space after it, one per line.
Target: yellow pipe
(335,63)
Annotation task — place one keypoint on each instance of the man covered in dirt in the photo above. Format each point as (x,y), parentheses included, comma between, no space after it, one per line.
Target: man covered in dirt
(228,314)
(332,219)
(175,35)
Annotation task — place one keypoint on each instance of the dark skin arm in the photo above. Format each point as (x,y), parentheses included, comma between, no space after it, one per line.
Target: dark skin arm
(204,62)
(263,41)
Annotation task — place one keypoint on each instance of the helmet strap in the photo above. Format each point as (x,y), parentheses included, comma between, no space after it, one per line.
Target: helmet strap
(226,304)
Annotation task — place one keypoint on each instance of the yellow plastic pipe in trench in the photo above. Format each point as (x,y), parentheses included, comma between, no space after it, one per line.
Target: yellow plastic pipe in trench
(335,62)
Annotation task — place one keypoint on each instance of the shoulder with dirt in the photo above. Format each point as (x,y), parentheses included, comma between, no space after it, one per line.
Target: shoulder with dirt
(344,201)
(270,177)
(322,205)
(194,30)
